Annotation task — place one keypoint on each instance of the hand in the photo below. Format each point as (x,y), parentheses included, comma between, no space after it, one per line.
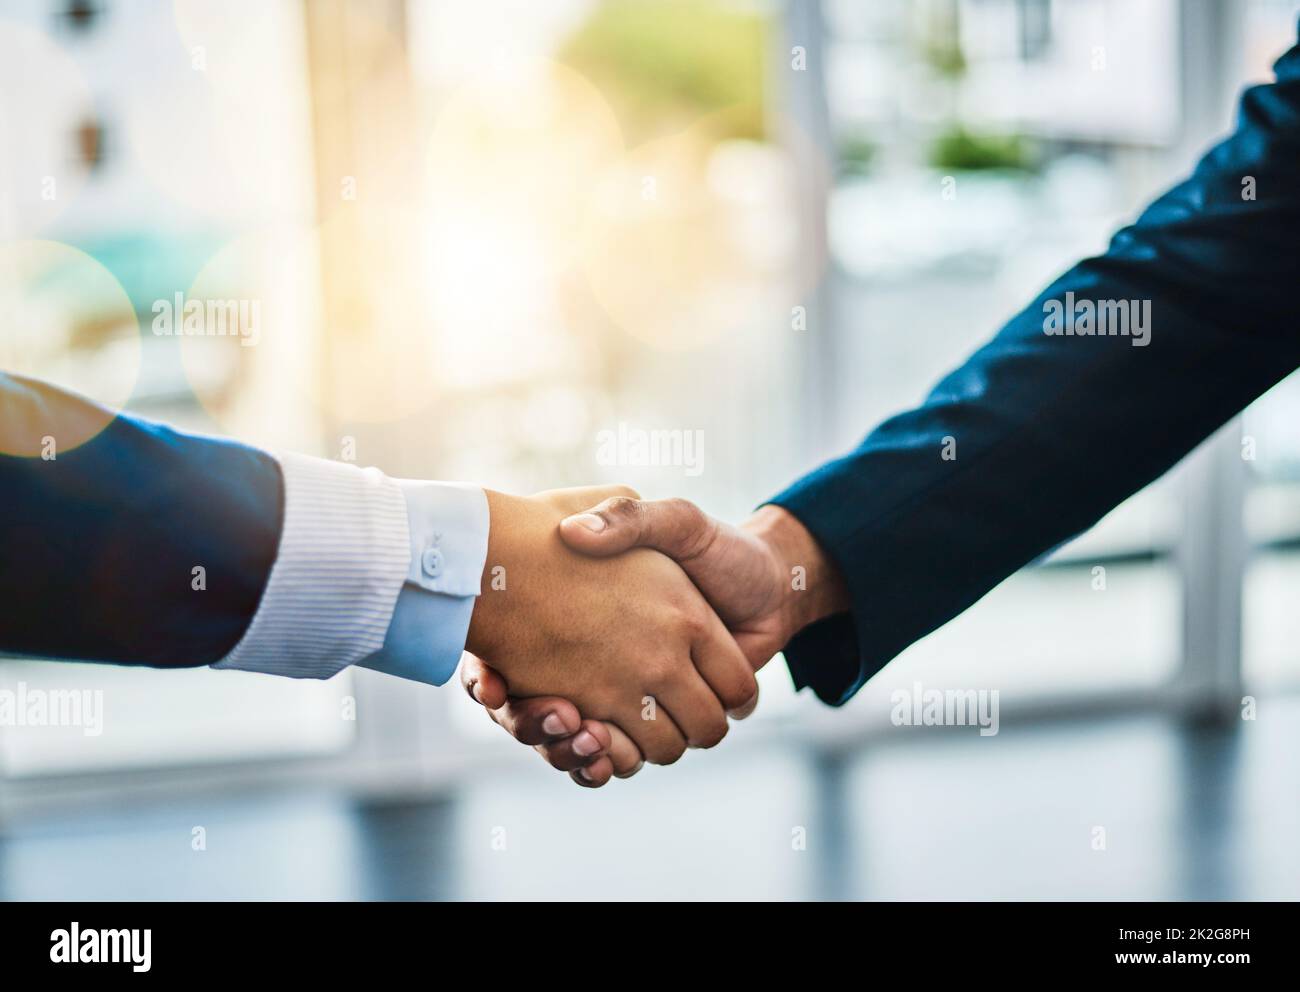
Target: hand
(766,579)
(620,638)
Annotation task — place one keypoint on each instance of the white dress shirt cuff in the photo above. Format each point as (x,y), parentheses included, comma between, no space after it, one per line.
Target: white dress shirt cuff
(344,553)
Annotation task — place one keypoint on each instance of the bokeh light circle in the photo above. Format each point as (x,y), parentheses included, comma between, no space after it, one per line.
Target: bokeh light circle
(687,238)
(355,350)
(68,322)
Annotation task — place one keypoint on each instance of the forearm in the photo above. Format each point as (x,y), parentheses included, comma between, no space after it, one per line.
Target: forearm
(128,542)
(1039,434)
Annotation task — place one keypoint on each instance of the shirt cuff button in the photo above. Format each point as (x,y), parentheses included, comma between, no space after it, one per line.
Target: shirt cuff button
(431,562)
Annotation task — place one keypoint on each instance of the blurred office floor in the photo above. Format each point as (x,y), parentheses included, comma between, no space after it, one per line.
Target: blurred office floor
(1187,813)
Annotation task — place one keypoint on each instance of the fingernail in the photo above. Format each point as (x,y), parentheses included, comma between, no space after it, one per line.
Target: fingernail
(473,691)
(585,775)
(593,522)
(553,725)
(584,744)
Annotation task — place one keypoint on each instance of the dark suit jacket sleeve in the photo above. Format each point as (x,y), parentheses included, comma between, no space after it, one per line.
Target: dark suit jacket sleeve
(98,545)
(1051,432)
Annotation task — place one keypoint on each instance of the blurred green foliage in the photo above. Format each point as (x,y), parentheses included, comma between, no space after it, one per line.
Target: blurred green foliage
(855,155)
(945,58)
(938,39)
(665,64)
(958,149)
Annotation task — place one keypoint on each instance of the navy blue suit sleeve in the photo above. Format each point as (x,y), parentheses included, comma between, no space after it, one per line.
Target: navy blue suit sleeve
(98,545)
(1052,431)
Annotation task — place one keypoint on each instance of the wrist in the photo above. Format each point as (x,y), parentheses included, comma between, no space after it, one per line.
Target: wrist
(491,611)
(812,587)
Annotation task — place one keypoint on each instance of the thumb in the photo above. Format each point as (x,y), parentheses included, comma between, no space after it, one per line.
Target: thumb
(483,682)
(677,527)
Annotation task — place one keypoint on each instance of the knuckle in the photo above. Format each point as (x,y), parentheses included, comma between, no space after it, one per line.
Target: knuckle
(712,735)
(696,529)
(666,752)
(623,507)
(629,772)
(627,764)
(693,622)
(671,753)
(742,695)
(660,674)
(683,508)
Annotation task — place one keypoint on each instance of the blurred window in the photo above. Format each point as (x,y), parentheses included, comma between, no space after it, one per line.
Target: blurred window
(152,208)
(1017,106)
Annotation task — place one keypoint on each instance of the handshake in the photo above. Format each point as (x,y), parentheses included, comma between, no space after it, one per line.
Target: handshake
(612,631)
